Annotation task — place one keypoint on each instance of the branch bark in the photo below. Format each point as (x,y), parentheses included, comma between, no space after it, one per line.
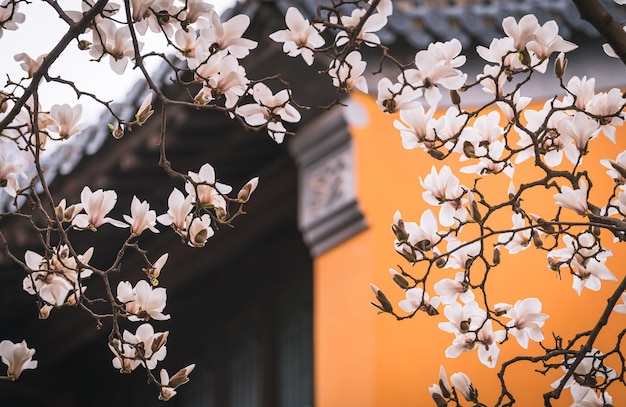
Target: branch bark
(598,16)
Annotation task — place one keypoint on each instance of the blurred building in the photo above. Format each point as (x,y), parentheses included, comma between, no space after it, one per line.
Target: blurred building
(275,312)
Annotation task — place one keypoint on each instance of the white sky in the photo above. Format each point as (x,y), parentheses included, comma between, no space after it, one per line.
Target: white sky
(40,33)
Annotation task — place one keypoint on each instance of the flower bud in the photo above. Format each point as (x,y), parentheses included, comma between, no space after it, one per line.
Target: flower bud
(201,237)
(84,45)
(430,310)
(553,264)
(408,253)
(145,110)
(436,154)
(181,377)
(619,168)
(159,341)
(468,149)
(455,97)
(596,230)
(399,279)
(439,400)
(440,262)
(537,241)
(247,190)
(464,326)
(382,299)
(560,64)
(44,311)
(524,57)
(117,131)
(496,256)
(221,214)
(474,212)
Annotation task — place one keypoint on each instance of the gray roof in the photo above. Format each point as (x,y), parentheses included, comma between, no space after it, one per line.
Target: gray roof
(420,22)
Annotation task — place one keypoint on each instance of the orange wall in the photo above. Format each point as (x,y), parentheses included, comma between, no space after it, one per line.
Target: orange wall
(363,359)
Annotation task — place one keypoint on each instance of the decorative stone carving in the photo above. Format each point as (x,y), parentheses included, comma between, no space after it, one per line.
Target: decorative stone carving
(328,212)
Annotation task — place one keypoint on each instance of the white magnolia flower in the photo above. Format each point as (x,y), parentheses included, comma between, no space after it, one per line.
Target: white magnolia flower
(207,190)
(145,346)
(592,364)
(196,9)
(500,49)
(188,46)
(613,166)
(66,120)
(416,298)
(461,254)
(574,199)
(526,320)
(17,356)
(168,385)
(449,290)
(492,162)
(582,89)
(463,384)
(154,271)
(523,32)
(222,76)
(462,319)
(114,42)
(179,207)
(97,205)
(590,274)
(13,163)
(393,97)
(227,35)
(437,66)
(55,278)
(552,144)
(547,40)
(488,351)
(587,397)
(29,65)
(519,240)
(143,301)
(151,10)
(348,74)
(424,236)
(415,127)
(373,24)
(609,105)
(443,189)
(579,129)
(270,109)
(301,38)
(481,134)
(585,259)
(199,230)
(141,217)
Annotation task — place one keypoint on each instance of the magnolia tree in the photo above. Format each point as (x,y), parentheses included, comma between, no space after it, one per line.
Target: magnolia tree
(454,249)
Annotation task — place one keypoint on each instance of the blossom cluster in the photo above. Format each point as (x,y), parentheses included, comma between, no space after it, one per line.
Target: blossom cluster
(206,60)
(503,134)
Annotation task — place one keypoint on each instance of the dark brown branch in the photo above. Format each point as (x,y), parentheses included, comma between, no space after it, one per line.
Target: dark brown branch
(595,13)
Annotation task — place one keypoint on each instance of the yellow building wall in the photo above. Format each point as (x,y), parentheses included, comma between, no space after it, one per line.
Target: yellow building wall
(363,359)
